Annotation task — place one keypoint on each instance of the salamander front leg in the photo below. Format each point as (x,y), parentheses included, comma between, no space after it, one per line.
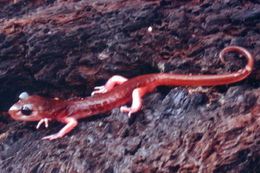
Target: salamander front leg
(110,84)
(136,101)
(70,124)
(45,121)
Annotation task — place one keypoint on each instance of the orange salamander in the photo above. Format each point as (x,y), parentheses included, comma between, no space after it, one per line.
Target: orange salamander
(116,92)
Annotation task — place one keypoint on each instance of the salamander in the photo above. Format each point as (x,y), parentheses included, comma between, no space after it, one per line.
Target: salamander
(116,92)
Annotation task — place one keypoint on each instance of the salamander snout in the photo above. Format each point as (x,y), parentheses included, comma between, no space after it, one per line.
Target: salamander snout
(23,110)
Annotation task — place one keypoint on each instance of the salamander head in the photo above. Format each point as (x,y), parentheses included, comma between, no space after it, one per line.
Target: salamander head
(28,108)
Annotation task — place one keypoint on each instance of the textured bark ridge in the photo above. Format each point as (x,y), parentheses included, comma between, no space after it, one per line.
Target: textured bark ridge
(63,48)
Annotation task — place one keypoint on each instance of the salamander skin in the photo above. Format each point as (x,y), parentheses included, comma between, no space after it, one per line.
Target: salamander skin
(116,92)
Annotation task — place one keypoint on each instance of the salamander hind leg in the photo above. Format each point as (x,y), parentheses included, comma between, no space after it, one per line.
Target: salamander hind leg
(136,101)
(110,84)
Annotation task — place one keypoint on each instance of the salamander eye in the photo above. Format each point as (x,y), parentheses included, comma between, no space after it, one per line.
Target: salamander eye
(26,109)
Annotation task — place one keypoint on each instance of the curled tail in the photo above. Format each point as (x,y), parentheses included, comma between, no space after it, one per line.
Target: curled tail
(211,80)
(250,60)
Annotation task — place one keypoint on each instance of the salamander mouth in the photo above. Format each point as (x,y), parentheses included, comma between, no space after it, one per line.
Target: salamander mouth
(28,118)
